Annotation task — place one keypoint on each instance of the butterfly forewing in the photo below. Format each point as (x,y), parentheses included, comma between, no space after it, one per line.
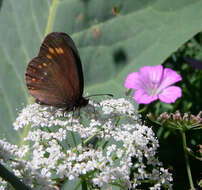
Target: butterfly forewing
(55,76)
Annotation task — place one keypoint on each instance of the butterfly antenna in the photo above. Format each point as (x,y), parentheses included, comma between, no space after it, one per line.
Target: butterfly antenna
(111,95)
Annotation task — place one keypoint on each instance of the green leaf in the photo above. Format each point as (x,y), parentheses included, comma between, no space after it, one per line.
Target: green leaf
(111,44)
(72,184)
(111,187)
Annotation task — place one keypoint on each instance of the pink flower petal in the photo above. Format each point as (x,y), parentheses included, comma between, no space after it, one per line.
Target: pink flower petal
(152,73)
(169,77)
(170,94)
(142,97)
(131,80)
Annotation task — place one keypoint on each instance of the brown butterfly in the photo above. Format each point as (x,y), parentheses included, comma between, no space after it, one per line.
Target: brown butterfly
(55,76)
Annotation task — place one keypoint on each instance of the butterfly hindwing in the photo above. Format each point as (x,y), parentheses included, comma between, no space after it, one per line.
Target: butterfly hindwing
(55,76)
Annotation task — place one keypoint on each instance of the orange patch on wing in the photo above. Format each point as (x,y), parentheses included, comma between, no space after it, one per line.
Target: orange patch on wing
(39,66)
(49,56)
(45,64)
(51,50)
(33,80)
(59,50)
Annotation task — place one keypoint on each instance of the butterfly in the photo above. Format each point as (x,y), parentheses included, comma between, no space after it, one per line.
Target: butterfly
(55,77)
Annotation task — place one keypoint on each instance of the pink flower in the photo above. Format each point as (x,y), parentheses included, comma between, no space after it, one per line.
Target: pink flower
(154,82)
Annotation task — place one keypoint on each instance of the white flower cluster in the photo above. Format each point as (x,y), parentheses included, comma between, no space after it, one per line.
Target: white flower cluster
(105,144)
(12,156)
(7,150)
(2,184)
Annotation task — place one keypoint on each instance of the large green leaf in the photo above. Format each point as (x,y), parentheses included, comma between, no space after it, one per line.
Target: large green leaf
(144,32)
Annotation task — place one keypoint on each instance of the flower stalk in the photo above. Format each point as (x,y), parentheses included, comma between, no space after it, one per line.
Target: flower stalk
(182,123)
(12,179)
(184,143)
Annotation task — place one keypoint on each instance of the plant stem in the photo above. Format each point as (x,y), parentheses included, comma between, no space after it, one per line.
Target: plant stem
(74,139)
(143,109)
(12,179)
(190,152)
(84,185)
(187,160)
(88,139)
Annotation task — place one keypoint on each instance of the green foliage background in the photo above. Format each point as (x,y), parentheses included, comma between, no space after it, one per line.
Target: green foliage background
(141,33)
(114,38)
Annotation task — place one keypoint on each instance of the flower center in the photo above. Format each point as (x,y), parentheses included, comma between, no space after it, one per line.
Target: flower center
(153,88)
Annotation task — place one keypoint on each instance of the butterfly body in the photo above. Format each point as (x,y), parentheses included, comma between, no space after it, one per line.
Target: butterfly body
(55,76)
